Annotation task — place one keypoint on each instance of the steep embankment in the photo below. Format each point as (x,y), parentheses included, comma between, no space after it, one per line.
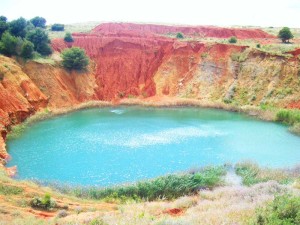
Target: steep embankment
(133,61)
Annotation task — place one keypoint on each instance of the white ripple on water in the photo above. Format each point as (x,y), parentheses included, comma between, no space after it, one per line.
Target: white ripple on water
(166,136)
(117,111)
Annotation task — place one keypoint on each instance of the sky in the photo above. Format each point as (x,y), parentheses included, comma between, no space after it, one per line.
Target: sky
(264,13)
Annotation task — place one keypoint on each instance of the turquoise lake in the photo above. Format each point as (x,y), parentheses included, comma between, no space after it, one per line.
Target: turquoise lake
(120,145)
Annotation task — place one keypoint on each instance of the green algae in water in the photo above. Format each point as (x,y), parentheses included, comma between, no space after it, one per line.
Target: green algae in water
(120,145)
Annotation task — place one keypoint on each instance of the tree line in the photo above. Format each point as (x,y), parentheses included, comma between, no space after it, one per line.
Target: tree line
(22,38)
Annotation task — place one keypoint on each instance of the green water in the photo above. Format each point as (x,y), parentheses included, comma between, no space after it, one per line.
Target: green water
(119,145)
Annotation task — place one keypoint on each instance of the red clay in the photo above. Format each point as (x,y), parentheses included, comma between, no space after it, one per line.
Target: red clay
(127,56)
(201,31)
(295,52)
(174,212)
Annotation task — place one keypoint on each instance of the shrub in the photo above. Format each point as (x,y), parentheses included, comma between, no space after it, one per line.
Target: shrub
(38,22)
(8,44)
(169,187)
(289,117)
(40,40)
(179,36)
(258,46)
(252,174)
(3,25)
(285,34)
(17,27)
(74,58)
(232,40)
(58,27)
(283,210)
(68,37)
(44,203)
(27,50)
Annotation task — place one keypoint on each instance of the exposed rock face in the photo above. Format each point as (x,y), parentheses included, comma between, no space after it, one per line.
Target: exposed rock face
(132,60)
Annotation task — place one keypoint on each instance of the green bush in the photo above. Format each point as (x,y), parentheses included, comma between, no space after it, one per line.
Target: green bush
(40,40)
(252,174)
(169,187)
(3,25)
(38,22)
(8,44)
(68,37)
(232,40)
(289,117)
(58,27)
(283,210)
(18,27)
(258,46)
(27,50)
(43,203)
(74,59)
(179,36)
(285,34)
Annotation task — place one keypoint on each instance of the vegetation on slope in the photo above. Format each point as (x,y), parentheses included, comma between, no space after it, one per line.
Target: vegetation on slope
(21,38)
(165,187)
(283,210)
(252,174)
(291,118)
(74,59)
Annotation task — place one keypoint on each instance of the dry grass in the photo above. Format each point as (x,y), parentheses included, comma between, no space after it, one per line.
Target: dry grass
(268,114)
(73,28)
(225,205)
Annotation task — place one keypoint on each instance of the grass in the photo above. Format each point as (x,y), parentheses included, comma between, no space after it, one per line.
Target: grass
(240,56)
(252,174)
(283,210)
(10,190)
(289,117)
(72,28)
(165,187)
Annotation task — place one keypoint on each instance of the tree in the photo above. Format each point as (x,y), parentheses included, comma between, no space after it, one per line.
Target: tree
(3,19)
(3,25)
(68,37)
(74,58)
(232,40)
(57,27)
(17,27)
(285,34)
(8,44)
(179,36)
(40,40)
(27,49)
(38,22)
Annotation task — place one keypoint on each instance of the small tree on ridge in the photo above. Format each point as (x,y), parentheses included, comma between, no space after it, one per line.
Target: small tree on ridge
(68,37)
(285,34)
(74,59)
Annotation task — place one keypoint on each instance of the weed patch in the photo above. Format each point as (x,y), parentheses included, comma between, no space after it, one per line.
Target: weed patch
(165,187)
(289,117)
(10,190)
(252,174)
(283,210)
